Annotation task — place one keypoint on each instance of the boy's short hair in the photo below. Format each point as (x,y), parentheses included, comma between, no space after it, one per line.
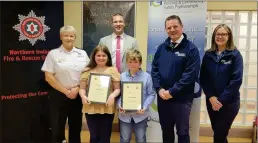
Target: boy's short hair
(134,54)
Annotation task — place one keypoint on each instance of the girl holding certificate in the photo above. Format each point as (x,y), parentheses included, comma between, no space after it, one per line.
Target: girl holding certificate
(100,116)
(136,121)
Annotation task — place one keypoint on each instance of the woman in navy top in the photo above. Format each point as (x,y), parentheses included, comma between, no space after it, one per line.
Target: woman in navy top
(221,77)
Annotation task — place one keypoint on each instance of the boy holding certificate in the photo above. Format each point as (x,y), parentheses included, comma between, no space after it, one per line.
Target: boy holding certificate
(135,120)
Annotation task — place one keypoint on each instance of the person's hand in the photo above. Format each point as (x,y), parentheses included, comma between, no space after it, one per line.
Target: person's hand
(121,110)
(74,92)
(68,94)
(111,100)
(141,111)
(161,94)
(85,100)
(216,105)
(167,94)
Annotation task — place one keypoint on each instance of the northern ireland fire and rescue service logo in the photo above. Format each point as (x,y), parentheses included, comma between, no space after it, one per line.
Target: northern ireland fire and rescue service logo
(31,28)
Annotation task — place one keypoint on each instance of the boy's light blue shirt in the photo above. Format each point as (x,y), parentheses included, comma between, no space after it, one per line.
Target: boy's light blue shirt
(148,95)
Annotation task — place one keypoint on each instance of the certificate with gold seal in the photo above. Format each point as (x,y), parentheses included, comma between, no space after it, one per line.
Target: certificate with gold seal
(132,96)
(98,89)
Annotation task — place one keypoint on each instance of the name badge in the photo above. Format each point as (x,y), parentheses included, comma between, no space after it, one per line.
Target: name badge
(80,56)
(60,60)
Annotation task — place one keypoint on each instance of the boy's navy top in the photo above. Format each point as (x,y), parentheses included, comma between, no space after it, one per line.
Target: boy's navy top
(176,69)
(221,75)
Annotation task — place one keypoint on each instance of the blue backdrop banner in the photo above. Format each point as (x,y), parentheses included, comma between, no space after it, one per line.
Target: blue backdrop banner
(193,16)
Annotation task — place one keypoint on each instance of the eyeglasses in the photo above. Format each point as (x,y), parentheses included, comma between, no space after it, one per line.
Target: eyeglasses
(221,34)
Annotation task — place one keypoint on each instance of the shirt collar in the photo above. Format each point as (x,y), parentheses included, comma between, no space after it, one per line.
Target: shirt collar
(178,41)
(121,36)
(137,73)
(222,53)
(64,50)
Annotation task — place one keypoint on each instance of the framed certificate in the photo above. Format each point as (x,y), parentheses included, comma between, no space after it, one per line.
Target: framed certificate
(132,96)
(98,87)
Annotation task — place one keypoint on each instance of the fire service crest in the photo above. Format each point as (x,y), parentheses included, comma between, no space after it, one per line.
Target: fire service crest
(31,28)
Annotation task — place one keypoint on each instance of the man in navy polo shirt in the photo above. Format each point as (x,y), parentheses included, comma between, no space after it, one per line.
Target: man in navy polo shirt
(175,69)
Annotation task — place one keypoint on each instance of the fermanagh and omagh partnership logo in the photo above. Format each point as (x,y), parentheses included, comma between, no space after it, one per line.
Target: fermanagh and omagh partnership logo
(155,3)
(31,28)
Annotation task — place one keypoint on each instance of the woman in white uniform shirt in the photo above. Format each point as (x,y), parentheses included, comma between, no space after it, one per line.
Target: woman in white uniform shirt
(62,69)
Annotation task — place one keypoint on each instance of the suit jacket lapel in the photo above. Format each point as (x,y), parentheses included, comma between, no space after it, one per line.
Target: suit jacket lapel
(125,45)
(109,42)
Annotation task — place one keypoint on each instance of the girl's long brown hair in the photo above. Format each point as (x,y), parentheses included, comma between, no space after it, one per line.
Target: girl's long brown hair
(103,48)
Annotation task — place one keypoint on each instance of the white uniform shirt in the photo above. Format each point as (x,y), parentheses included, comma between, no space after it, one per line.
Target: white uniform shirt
(114,45)
(66,66)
